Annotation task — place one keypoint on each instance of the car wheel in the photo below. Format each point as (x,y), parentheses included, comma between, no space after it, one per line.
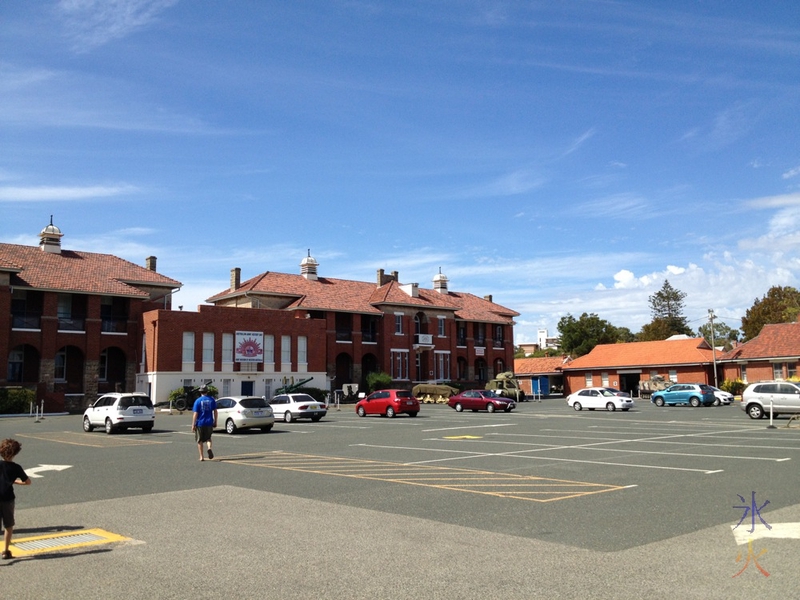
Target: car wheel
(716,401)
(316,418)
(577,405)
(694,402)
(109,427)
(389,412)
(610,407)
(360,411)
(755,411)
(458,407)
(490,407)
(230,427)
(287,416)
(659,401)
(412,414)
(87,424)
(266,428)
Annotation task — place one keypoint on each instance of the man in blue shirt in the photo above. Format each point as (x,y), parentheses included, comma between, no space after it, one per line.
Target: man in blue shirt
(204,420)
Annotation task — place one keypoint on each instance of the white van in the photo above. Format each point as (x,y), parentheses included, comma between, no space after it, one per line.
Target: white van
(783,395)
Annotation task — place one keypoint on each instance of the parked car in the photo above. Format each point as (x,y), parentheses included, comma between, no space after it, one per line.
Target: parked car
(297,406)
(244,412)
(695,394)
(119,411)
(599,397)
(783,395)
(476,400)
(720,396)
(389,403)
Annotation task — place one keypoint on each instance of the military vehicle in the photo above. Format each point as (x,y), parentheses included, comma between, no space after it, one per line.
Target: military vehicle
(506,385)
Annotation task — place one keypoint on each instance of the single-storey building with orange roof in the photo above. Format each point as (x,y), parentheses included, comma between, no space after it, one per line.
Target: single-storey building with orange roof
(623,366)
(773,354)
(541,375)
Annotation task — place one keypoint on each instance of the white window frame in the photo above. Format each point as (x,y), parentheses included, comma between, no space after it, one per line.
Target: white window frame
(188,347)
(673,376)
(302,350)
(227,350)
(399,363)
(587,379)
(269,349)
(442,365)
(777,371)
(208,347)
(286,352)
(743,369)
(604,378)
(398,323)
(442,326)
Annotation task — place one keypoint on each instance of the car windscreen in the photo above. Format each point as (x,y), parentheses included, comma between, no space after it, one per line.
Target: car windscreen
(253,403)
(128,401)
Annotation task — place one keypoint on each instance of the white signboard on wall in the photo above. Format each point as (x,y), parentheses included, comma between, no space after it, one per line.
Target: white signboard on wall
(249,347)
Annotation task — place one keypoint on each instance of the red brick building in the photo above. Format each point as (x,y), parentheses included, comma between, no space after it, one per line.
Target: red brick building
(623,366)
(70,322)
(773,354)
(330,331)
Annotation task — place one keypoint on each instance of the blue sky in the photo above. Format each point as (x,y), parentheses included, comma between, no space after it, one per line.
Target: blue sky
(564,157)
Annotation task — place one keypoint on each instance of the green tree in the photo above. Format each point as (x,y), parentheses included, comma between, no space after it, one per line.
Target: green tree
(723,335)
(666,307)
(779,305)
(579,336)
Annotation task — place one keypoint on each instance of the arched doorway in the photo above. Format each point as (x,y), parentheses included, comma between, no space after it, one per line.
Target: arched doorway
(369,364)
(68,370)
(112,370)
(344,370)
(23,365)
(480,370)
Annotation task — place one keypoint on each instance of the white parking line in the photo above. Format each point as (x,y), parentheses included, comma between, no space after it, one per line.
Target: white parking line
(469,427)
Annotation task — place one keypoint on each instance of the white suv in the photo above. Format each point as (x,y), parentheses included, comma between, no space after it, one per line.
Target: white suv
(116,412)
(783,395)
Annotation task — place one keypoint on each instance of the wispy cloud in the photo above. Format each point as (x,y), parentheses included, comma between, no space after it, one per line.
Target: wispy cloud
(514,183)
(92,23)
(791,173)
(56,193)
(580,141)
(775,201)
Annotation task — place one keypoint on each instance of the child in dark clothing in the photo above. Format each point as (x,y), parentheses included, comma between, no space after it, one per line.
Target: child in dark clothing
(10,473)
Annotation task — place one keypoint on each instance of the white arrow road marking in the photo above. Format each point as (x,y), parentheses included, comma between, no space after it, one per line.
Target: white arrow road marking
(34,472)
(779,530)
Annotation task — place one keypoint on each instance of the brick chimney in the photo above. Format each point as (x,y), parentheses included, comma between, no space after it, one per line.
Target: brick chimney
(150,263)
(236,278)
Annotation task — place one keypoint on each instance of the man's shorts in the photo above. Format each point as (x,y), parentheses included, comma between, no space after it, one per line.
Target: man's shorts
(202,434)
(7,514)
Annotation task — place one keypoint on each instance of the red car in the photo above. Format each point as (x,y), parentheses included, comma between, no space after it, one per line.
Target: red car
(476,400)
(389,403)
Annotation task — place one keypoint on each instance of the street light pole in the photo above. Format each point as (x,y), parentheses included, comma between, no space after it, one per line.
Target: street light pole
(713,344)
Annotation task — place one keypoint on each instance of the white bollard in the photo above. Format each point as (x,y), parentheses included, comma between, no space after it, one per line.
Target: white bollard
(770,426)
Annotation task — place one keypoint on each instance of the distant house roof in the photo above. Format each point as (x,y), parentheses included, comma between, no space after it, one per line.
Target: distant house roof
(540,366)
(780,340)
(645,354)
(344,295)
(78,272)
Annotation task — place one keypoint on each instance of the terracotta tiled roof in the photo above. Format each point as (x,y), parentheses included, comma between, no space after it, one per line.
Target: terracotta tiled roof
(645,354)
(780,340)
(78,272)
(541,365)
(363,297)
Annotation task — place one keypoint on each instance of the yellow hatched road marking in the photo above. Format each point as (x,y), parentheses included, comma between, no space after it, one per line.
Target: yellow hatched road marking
(504,485)
(63,541)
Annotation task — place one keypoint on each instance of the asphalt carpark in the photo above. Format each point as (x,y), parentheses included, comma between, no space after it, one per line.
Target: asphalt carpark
(540,502)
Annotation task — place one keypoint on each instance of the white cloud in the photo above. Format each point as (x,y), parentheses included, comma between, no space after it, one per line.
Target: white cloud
(56,193)
(92,23)
(791,173)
